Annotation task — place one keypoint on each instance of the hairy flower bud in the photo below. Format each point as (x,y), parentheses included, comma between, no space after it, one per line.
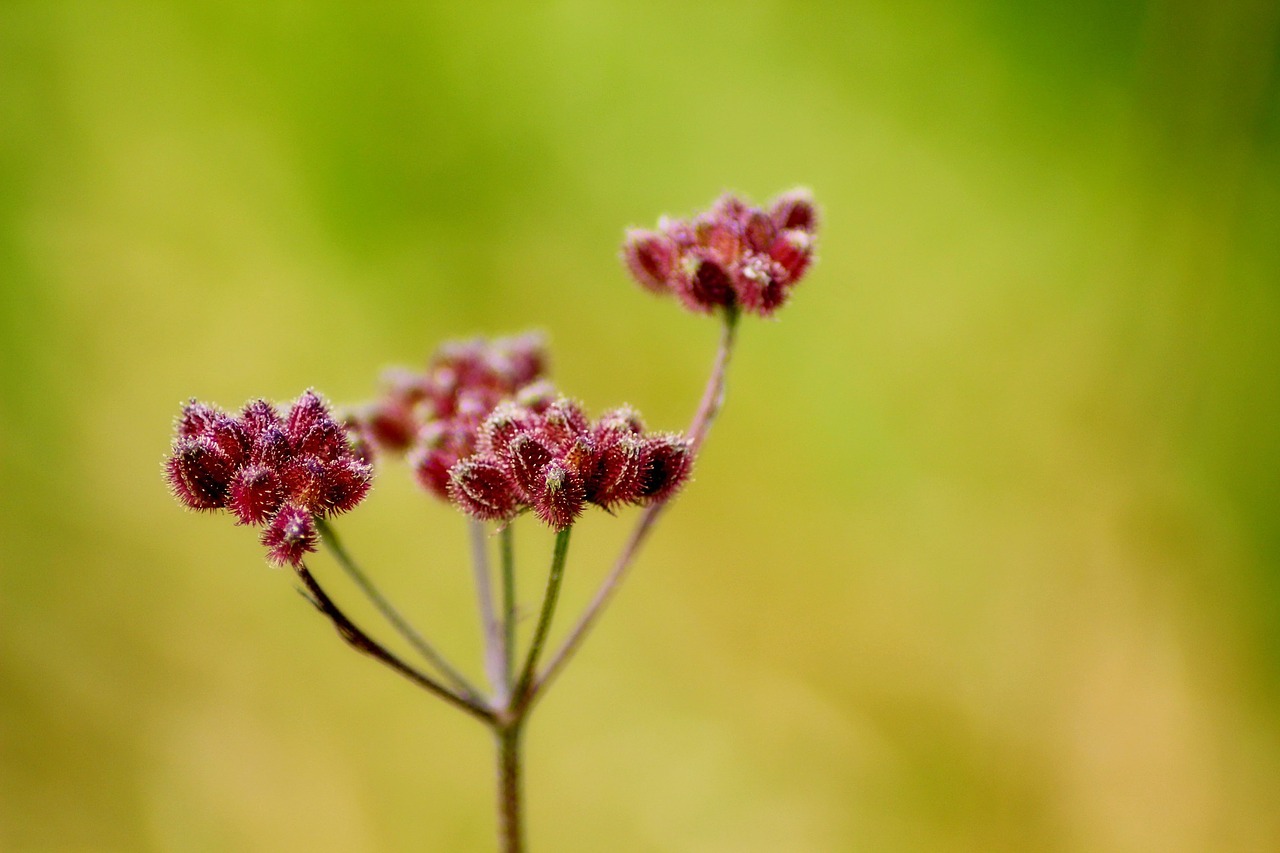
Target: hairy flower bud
(291,534)
(481,487)
(561,498)
(665,463)
(651,258)
(199,473)
(255,494)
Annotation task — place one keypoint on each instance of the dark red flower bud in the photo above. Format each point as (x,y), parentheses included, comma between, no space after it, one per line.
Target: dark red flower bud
(792,250)
(617,475)
(665,462)
(795,209)
(481,487)
(526,458)
(309,409)
(441,445)
(271,448)
(346,482)
(199,473)
(195,419)
(229,437)
(258,417)
(561,498)
(504,423)
(758,232)
(389,425)
(760,284)
(324,439)
(291,534)
(651,258)
(706,284)
(255,494)
(563,421)
(304,480)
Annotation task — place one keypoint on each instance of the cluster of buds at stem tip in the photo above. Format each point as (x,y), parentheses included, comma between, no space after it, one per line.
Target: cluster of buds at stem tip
(268,470)
(442,407)
(544,454)
(732,256)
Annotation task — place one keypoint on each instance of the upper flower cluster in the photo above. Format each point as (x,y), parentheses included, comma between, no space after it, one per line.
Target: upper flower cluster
(547,456)
(271,471)
(733,255)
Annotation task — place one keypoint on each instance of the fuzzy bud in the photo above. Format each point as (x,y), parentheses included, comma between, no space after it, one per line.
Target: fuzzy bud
(481,487)
(291,534)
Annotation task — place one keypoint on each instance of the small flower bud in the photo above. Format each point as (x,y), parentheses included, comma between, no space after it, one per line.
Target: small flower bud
(258,417)
(308,410)
(291,534)
(526,459)
(199,473)
(792,251)
(346,482)
(195,419)
(651,258)
(561,498)
(665,464)
(706,284)
(617,476)
(481,487)
(759,283)
(795,209)
(255,494)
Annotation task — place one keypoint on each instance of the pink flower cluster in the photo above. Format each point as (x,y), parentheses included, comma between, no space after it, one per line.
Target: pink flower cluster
(436,413)
(548,457)
(279,473)
(734,255)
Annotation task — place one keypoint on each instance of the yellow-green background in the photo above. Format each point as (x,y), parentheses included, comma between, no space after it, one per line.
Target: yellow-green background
(983,555)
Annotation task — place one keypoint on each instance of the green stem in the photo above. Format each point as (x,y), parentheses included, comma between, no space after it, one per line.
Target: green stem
(389,612)
(506,539)
(510,799)
(544,622)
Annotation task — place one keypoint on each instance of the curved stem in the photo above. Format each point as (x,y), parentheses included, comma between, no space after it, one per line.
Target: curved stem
(363,643)
(708,409)
(389,612)
(493,654)
(524,691)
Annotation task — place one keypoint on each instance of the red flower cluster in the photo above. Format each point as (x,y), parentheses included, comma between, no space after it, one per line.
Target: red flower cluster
(734,255)
(267,470)
(439,410)
(546,455)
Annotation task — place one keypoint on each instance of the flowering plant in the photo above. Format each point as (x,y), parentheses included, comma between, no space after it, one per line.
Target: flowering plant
(484,429)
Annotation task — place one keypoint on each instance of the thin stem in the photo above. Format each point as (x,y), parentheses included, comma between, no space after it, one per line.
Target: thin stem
(510,813)
(362,642)
(493,654)
(506,537)
(389,612)
(708,409)
(524,687)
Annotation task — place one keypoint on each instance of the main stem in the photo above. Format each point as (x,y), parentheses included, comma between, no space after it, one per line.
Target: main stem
(510,816)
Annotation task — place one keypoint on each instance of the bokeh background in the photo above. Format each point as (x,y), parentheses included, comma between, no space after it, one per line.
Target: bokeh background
(983,555)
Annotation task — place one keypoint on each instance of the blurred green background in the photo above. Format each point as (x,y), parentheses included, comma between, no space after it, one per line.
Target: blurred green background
(983,555)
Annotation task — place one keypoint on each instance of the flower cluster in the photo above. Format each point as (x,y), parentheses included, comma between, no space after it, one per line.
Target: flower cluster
(437,413)
(279,473)
(545,455)
(734,255)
